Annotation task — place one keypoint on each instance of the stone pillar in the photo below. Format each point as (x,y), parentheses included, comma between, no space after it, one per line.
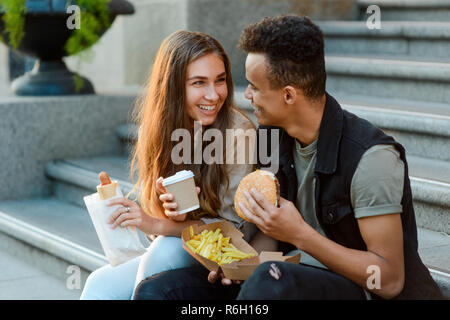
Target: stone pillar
(4,77)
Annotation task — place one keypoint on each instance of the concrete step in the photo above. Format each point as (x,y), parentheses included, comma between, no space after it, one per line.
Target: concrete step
(72,179)
(41,229)
(411,10)
(422,127)
(389,78)
(430,186)
(20,280)
(53,235)
(127,134)
(406,39)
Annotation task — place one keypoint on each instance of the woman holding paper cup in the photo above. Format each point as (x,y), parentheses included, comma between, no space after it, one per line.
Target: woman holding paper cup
(190,81)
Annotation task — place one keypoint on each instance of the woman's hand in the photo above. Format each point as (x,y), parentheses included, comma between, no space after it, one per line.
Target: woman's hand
(213,276)
(169,205)
(130,214)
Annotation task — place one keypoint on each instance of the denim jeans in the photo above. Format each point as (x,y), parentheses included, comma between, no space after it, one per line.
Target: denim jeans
(119,282)
(270,281)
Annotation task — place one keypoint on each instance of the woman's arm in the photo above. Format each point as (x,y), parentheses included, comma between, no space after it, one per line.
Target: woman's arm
(172,228)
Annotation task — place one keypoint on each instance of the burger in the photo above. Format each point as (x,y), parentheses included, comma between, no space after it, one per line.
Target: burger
(262,180)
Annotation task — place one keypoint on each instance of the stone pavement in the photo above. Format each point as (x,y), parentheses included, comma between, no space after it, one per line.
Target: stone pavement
(22,281)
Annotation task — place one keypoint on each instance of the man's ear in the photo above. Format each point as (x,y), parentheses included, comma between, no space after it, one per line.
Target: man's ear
(290,95)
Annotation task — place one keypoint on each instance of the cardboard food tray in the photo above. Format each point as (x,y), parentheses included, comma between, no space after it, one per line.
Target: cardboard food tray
(237,270)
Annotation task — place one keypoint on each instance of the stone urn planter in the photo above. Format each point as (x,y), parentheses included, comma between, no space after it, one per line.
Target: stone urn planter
(45,35)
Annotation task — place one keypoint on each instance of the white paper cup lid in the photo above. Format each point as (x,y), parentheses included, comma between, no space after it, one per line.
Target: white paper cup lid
(179,176)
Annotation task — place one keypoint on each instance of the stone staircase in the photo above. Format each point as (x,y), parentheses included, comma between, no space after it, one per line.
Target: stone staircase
(397,77)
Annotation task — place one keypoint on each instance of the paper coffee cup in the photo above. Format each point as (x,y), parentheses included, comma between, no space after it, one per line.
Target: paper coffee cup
(182,186)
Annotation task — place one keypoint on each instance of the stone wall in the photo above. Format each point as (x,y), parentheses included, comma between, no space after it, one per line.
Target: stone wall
(36,130)
(124,55)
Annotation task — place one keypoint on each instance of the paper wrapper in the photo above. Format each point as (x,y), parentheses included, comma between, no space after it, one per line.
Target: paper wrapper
(119,244)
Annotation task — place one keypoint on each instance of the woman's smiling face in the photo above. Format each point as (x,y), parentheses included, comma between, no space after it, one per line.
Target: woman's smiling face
(206,88)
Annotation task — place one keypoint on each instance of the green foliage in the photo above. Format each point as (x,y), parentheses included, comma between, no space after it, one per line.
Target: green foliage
(94,19)
(14,20)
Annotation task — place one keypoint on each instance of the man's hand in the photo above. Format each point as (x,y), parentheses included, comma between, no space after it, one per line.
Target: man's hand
(283,223)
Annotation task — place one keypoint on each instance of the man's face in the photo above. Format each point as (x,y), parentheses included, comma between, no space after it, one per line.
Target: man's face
(268,103)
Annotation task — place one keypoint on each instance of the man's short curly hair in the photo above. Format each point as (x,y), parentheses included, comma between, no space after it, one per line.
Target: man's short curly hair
(294,48)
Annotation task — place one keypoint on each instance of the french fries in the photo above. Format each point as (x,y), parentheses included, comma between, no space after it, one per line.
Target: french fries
(214,246)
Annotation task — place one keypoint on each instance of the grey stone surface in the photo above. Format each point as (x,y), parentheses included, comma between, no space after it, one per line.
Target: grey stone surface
(22,281)
(432,4)
(421,90)
(390,29)
(420,133)
(431,169)
(432,217)
(135,39)
(434,249)
(394,118)
(419,144)
(70,193)
(431,191)
(416,14)
(35,130)
(57,218)
(404,39)
(225,20)
(42,260)
(375,67)
(413,10)
(75,178)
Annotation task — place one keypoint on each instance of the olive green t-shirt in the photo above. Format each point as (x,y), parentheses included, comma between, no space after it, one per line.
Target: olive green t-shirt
(376,187)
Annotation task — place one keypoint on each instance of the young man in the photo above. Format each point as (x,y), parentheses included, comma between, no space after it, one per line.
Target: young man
(346,198)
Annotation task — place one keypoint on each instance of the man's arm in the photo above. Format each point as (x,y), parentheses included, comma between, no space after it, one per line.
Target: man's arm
(382,235)
(384,240)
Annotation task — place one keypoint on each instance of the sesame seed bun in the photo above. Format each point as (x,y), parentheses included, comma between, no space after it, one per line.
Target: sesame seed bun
(262,180)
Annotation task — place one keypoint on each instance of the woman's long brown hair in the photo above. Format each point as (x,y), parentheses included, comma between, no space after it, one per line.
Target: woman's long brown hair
(161,110)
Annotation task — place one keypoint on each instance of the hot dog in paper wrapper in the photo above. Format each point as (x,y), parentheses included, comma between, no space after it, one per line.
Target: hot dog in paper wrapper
(119,244)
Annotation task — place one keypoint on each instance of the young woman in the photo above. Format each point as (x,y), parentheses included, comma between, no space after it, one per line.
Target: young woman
(190,81)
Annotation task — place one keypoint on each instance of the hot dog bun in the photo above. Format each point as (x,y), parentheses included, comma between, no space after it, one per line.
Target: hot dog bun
(262,180)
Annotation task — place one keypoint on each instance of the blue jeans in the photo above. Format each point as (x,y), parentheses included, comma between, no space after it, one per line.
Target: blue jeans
(272,280)
(119,283)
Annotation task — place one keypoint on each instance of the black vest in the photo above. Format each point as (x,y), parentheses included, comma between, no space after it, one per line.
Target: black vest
(343,139)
